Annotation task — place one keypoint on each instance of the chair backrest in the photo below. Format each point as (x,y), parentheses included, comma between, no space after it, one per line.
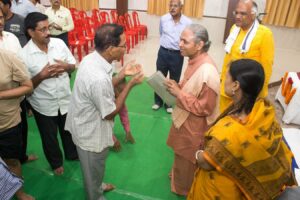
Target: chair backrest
(114,16)
(104,17)
(122,22)
(128,20)
(82,14)
(136,20)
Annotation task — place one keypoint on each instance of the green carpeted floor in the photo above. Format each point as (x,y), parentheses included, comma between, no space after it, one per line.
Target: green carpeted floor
(139,171)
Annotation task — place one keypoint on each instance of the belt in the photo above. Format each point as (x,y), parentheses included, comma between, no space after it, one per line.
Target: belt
(170,50)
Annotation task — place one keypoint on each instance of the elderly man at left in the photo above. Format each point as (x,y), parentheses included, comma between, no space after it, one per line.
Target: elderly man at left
(49,61)
(14,84)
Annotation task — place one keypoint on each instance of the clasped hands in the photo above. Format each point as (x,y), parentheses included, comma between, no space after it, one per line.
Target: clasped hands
(54,70)
(134,70)
(55,26)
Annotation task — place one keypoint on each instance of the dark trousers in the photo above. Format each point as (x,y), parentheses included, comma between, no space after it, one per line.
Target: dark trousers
(24,125)
(64,37)
(48,130)
(168,61)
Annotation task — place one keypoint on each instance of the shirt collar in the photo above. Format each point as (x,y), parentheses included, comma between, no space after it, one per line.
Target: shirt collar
(33,48)
(106,65)
(180,20)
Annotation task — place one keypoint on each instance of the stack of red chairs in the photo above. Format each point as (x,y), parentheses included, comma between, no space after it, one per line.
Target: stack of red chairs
(105,17)
(85,26)
(129,33)
(137,24)
(114,16)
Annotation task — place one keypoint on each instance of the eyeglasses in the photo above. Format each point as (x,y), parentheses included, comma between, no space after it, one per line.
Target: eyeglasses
(235,13)
(43,30)
(122,46)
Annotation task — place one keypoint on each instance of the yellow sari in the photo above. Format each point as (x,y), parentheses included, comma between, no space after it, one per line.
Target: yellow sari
(250,158)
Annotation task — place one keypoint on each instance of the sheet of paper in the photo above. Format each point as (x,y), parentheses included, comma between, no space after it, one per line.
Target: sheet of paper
(156,81)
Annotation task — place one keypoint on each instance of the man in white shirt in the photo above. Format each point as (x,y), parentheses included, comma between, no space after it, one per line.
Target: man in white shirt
(60,20)
(22,7)
(93,105)
(49,61)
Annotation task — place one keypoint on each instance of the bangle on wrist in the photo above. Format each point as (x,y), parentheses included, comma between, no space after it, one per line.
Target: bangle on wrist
(197,152)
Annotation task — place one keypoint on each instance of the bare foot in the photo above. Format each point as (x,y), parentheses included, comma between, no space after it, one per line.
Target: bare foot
(24,196)
(59,171)
(106,187)
(117,146)
(31,158)
(129,138)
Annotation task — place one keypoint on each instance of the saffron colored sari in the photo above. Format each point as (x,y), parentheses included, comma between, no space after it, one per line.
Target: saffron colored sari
(250,158)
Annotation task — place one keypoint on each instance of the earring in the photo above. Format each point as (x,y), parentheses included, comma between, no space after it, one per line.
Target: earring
(233,92)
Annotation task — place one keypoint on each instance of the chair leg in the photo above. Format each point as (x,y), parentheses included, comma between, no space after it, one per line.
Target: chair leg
(79,53)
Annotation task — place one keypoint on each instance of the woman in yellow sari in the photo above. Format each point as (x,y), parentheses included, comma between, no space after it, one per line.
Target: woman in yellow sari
(244,155)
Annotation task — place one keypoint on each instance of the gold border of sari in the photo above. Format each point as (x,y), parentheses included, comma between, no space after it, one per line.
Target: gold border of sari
(218,156)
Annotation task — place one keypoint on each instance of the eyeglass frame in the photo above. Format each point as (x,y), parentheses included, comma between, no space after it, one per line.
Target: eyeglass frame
(122,46)
(43,30)
(235,13)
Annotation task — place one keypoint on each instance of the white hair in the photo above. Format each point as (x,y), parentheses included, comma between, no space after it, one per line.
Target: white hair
(254,9)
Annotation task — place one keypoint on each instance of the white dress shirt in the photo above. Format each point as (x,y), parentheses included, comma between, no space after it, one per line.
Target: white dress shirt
(62,17)
(22,7)
(52,94)
(92,100)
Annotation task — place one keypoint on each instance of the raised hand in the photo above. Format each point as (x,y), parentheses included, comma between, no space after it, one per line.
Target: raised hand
(132,68)
(172,87)
(137,78)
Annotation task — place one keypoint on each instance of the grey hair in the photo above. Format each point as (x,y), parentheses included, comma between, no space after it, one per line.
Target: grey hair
(201,34)
(254,9)
(180,2)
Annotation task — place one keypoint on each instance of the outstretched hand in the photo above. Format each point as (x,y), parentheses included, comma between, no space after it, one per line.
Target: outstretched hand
(137,78)
(132,68)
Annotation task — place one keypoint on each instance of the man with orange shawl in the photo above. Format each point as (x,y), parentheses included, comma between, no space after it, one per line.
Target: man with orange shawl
(196,104)
(244,155)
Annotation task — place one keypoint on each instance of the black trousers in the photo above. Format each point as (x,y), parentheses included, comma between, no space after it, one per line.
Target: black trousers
(48,126)
(168,61)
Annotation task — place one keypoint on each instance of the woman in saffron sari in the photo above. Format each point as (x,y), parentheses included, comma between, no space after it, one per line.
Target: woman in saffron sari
(244,155)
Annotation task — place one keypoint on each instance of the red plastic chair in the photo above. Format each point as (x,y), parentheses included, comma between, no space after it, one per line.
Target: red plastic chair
(133,34)
(96,19)
(131,27)
(82,32)
(104,17)
(136,22)
(74,13)
(75,42)
(114,16)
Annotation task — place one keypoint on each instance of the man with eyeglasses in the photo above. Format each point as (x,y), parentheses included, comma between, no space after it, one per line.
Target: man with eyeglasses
(169,60)
(49,61)
(247,39)
(94,105)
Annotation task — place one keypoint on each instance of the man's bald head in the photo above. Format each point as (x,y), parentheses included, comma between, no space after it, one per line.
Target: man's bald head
(245,13)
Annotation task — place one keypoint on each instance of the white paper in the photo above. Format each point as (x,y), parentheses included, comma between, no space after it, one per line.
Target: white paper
(156,81)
